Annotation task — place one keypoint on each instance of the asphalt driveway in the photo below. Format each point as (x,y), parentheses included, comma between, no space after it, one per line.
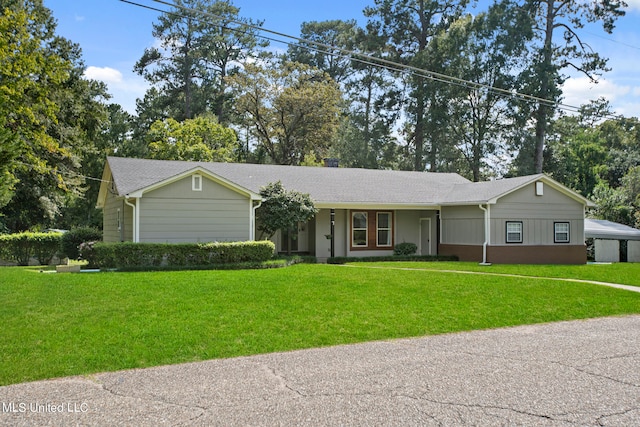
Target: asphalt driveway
(584,373)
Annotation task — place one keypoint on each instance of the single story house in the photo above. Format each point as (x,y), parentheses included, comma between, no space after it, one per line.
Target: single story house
(529,219)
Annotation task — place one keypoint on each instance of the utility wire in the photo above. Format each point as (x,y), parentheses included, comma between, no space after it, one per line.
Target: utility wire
(363,58)
(55,170)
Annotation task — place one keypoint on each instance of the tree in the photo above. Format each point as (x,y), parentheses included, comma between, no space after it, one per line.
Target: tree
(8,155)
(552,56)
(334,62)
(52,111)
(201,43)
(199,139)
(282,210)
(291,109)
(483,51)
(28,67)
(408,27)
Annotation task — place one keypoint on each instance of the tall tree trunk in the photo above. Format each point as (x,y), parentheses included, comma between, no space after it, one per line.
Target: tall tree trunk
(418,137)
(542,114)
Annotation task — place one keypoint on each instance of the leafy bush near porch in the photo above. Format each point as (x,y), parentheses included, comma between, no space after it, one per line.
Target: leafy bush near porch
(21,247)
(405,248)
(128,255)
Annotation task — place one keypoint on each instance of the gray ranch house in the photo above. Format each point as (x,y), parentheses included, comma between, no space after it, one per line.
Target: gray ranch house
(529,219)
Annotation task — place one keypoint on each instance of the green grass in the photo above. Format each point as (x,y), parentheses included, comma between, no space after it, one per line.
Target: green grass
(622,273)
(69,324)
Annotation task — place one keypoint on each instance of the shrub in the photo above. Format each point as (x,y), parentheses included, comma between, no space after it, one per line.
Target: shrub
(72,240)
(20,247)
(345,259)
(128,255)
(405,248)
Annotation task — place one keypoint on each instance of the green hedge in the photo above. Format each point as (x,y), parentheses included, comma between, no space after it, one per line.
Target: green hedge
(345,259)
(21,247)
(128,255)
(71,240)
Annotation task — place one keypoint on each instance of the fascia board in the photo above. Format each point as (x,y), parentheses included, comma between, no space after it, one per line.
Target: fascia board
(375,206)
(553,184)
(202,171)
(104,186)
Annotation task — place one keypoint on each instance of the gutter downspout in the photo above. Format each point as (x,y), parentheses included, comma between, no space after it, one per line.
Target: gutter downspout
(252,230)
(136,219)
(487,230)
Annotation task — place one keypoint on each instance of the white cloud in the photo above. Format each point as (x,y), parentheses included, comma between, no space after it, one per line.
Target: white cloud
(79,18)
(104,74)
(124,88)
(633,4)
(578,91)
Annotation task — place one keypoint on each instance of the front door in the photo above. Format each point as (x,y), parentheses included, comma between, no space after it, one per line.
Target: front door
(298,238)
(425,236)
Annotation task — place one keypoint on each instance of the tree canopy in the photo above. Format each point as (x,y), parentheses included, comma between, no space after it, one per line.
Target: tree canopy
(421,85)
(282,209)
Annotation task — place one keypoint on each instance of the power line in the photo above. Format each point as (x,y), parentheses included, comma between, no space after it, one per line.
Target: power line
(62,172)
(364,58)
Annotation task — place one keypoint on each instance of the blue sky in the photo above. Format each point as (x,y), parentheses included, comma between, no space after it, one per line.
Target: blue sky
(113,36)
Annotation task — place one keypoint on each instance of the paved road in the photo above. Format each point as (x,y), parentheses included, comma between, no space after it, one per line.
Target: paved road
(581,373)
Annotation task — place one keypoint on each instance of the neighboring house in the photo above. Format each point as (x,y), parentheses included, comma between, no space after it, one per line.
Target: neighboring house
(531,219)
(607,236)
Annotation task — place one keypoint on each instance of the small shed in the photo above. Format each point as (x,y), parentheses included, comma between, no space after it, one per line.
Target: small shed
(607,236)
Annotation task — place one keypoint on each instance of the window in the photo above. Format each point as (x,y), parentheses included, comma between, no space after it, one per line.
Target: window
(514,232)
(561,232)
(196,182)
(119,220)
(359,229)
(371,230)
(383,225)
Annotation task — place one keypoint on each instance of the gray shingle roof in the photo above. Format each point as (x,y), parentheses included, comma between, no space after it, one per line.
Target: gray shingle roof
(324,185)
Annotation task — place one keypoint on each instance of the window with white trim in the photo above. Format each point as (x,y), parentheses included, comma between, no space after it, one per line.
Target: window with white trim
(196,182)
(383,226)
(514,232)
(359,229)
(561,232)
(119,220)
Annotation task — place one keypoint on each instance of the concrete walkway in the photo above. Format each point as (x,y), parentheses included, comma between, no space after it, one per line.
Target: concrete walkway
(579,373)
(486,273)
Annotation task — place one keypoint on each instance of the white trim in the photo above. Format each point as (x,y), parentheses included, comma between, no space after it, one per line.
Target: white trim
(366,230)
(355,206)
(204,173)
(555,231)
(389,229)
(196,182)
(551,183)
(136,218)
(252,219)
(520,232)
(487,232)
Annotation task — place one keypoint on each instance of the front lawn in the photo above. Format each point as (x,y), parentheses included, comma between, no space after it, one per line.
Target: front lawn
(67,324)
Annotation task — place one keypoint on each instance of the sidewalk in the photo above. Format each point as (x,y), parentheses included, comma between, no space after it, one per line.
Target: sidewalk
(569,373)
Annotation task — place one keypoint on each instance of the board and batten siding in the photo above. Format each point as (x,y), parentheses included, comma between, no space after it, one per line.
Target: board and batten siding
(538,215)
(462,225)
(176,213)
